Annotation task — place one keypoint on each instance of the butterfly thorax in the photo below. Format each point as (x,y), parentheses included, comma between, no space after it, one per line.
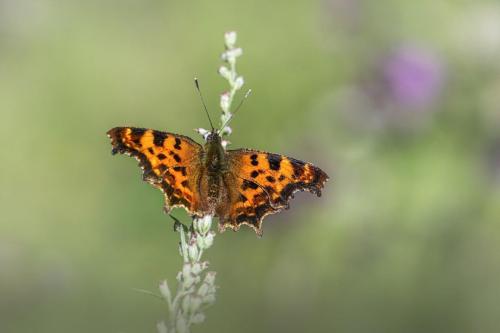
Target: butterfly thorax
(215,163)
(215,159)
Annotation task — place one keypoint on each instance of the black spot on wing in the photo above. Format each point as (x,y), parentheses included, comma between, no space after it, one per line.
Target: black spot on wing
(173,197)
(254,217)
(262,210)
(167,188)
(117,142)
(159,138)
(319,176)
(177,144)
(248,184)
(274,161)
(253,186)
(298,167)
(137,141)
(137,131)
(289,189)
(244,218)
(269,189)
(169,177)
(181,169)
(253,159)
(148,174)
(119,147)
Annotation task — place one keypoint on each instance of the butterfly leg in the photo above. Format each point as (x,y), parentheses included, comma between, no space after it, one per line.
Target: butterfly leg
(178,224)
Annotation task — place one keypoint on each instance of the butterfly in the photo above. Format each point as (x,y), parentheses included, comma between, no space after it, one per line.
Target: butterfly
(239,186)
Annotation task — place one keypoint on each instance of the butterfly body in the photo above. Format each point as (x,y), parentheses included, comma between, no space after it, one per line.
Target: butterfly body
(239,186)
(214,160)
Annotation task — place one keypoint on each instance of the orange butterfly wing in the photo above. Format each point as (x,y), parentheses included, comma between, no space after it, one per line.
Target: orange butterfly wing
(264,184)
(169,162)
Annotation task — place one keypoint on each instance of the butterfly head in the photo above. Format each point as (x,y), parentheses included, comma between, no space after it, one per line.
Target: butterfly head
(213,138)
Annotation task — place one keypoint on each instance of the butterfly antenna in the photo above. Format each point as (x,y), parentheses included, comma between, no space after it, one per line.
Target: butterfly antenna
(237,108)
(203,102)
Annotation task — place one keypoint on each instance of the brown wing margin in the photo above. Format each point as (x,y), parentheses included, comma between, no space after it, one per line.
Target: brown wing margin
(168,162)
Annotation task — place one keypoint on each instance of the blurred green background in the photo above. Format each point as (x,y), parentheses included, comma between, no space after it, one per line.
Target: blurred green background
(398,101)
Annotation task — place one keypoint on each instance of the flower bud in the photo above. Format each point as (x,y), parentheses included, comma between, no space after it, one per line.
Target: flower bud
(200,241)
(231,55)
(224,72)
(186,302)
(238,83)
(195,304)
(189,283)
(225,117)
(235,53)
(181,324)
(203,132)
(204,265)
(192,250)
(162,327)
(203,290)
(198,318)
(230,39)
(165,291)
(196,268)
(209,239)
(186,270)
(203,224)
(209,299)
(224,101)
(226,131)
(210,278)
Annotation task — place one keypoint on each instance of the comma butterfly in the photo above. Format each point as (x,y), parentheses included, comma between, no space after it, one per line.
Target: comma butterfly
(239,186)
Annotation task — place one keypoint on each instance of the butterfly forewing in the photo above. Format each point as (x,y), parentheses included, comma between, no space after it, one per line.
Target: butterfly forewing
(169,162)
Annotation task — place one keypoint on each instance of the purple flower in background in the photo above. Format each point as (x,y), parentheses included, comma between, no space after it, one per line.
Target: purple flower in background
(414,76)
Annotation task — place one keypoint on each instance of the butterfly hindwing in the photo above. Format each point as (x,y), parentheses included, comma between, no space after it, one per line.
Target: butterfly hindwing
(169,162)
(248,203)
